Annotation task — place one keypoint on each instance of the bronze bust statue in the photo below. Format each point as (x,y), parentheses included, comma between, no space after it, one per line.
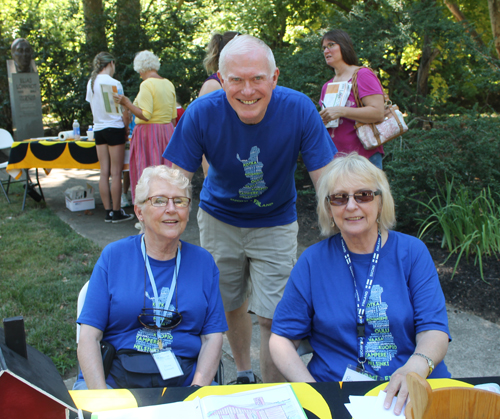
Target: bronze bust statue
(21,54)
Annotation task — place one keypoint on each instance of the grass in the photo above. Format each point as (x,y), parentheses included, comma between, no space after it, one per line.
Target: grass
(43,265)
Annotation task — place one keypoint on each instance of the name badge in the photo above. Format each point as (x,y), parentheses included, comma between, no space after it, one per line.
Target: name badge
(353,373)
(167,364)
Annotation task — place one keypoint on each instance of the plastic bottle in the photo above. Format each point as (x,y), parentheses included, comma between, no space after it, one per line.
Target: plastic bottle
(76,130)
(90,133)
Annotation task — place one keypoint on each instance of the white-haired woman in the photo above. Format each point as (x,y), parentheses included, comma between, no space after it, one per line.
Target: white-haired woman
(153,295)
(367,297)
(155,109)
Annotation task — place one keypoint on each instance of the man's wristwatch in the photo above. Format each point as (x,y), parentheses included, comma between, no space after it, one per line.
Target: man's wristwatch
(430,362)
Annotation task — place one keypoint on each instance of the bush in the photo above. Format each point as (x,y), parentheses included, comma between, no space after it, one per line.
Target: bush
(464,147)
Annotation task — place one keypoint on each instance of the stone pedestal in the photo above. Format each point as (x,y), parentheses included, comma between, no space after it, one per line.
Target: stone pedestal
(26,103)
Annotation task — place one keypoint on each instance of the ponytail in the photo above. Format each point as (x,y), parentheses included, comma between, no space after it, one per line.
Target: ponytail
(100,62)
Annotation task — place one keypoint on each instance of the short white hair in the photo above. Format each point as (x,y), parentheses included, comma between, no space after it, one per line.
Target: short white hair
(146,61)
(241,45)
(161,172)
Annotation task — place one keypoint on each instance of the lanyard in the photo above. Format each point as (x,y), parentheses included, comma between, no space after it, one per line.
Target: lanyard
(157,312)
(362,302)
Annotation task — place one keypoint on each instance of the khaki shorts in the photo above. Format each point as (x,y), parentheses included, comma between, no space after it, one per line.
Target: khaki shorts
(254,263)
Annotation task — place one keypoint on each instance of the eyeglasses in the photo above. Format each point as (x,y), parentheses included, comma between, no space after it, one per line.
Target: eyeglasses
(170,319)
(162,201)
(330,45)
(360,197)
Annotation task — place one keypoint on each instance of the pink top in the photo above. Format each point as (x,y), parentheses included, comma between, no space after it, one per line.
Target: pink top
(344,136)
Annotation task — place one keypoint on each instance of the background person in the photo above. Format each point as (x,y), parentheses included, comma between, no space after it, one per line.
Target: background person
(122,288)
(403,317)
(110,137)
(341,58)
(155,108)
(211,64)
(247,214)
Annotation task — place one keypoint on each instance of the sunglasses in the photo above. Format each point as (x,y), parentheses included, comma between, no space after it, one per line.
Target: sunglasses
(361,197)
(170,319)
(162,201)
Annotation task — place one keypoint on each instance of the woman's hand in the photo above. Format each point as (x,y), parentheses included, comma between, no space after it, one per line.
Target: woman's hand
(126,102)
(432,343)
(121,99)
(329,114)
(397,385)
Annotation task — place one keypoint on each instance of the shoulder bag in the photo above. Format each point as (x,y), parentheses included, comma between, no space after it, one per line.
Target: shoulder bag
(373,135)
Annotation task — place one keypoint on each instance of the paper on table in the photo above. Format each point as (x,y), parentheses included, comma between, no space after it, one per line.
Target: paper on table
(369,407)
(179,410)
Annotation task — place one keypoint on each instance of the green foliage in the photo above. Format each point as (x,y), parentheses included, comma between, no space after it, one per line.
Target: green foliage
(465,148)
(43,265)
(468,225)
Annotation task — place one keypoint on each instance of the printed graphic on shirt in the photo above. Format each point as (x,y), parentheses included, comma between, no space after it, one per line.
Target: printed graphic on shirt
(380,348)
(253,170)
(146,340)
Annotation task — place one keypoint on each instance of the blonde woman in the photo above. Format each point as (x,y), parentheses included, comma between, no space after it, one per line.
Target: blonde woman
(110,136)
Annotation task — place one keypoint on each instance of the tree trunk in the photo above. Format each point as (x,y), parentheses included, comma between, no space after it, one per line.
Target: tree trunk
(460,17)
(95,32)
(494,7)
(129,34)
(428,55)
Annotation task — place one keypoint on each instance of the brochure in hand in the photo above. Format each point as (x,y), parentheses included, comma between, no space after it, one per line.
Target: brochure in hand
(278,402)
(336,95)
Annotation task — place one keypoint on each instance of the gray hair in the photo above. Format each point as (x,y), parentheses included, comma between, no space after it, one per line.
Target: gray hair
(241,45)
(344,170)
(161,172)
(146,61)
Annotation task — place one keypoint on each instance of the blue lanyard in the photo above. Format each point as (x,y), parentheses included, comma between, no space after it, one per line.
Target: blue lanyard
(362,302)
(158,310)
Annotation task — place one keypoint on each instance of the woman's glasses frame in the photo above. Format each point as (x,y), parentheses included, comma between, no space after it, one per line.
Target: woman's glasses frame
(361,197)
(329,46)
(162,201)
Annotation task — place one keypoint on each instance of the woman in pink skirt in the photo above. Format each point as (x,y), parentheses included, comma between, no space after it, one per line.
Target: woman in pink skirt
(155,109)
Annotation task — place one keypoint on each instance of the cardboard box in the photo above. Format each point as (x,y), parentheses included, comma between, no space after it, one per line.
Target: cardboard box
(79,198)
(80,204)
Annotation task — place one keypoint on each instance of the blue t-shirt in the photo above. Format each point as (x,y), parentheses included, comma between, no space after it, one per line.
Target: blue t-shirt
(250,182)
(319,304)
(116,296)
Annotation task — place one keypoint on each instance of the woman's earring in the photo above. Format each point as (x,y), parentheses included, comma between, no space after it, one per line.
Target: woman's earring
(333,223)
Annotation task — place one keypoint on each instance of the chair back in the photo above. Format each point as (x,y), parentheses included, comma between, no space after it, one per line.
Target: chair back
(6,139)
(456,403)
(79,307)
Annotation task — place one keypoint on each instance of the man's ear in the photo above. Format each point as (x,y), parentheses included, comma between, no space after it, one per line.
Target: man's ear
(222,81)
(275,77)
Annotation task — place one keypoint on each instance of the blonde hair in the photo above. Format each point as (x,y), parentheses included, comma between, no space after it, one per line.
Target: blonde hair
(146,61)
(346,169)
(101,61)
(215,46)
